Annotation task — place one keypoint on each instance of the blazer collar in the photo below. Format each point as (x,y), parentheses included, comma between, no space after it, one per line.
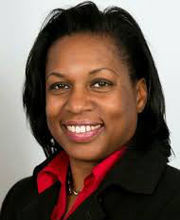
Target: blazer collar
(137,171)
(42,206)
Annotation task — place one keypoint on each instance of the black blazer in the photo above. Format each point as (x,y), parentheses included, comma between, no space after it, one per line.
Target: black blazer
(140,186)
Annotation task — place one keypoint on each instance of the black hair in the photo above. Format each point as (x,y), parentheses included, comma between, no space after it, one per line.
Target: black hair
(123,29)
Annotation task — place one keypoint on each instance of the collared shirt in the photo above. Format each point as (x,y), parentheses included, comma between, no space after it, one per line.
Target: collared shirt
(57,169)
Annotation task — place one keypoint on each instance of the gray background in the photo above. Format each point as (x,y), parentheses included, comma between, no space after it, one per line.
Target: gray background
(20,21)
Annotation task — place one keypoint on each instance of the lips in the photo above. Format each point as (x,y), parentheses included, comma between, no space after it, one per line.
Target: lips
(82,131)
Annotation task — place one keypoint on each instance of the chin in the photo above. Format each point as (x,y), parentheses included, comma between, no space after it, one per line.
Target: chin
(93,155)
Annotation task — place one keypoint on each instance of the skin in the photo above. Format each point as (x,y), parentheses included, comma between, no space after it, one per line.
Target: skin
(115,103)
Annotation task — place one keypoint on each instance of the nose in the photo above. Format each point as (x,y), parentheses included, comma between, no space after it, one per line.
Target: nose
(79,101)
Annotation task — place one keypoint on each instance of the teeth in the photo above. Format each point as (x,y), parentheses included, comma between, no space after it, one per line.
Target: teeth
(83,128)
(88,128)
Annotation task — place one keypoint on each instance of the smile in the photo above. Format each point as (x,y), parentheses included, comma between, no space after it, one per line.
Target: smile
(82,128)
(83,133)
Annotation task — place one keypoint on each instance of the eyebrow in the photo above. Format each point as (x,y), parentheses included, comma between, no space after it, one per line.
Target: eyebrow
(61,75)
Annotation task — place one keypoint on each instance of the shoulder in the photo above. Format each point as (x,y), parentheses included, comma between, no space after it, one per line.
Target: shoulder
(17,197)
(171,185)
(171,177)
(167,194)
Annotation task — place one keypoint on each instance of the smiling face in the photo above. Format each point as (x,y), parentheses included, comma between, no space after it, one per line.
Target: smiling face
(91,102)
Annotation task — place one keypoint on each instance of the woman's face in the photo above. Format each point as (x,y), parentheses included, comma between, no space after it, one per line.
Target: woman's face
(91,103)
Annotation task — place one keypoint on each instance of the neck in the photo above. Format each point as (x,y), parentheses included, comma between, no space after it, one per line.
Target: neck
(80,170)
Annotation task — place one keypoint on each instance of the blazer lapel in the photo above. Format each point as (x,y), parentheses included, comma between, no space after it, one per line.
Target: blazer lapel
(41,207)
(138,171)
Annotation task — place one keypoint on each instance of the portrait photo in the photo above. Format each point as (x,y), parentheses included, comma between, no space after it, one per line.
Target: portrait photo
(89,116)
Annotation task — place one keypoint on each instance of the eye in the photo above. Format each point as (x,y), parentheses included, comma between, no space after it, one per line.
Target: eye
(100,83)
(59,86)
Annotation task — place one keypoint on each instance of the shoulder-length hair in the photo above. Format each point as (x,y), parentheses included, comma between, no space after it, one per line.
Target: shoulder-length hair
(118,24)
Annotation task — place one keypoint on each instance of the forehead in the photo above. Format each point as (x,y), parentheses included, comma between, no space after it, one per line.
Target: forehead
(83,51)
(85,41)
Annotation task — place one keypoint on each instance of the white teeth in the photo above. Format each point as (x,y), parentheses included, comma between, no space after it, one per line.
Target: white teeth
(73,129)
(82,129)
(78,129)
(88,128)
(95,127)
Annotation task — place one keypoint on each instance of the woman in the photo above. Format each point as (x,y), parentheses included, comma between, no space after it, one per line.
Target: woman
(94,102)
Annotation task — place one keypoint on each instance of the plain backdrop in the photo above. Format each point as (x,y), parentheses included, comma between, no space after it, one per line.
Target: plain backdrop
(20,21)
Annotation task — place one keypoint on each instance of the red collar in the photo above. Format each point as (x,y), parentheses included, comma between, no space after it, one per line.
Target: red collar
(56,170)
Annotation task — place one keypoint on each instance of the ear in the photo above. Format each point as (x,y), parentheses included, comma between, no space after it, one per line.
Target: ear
(141,95)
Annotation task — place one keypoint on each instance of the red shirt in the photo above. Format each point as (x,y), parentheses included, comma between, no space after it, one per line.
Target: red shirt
(57,169)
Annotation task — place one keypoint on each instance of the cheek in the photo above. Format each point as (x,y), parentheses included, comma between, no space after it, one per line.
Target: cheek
(53,112)
(121,103)
(120,113)
(53,107)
